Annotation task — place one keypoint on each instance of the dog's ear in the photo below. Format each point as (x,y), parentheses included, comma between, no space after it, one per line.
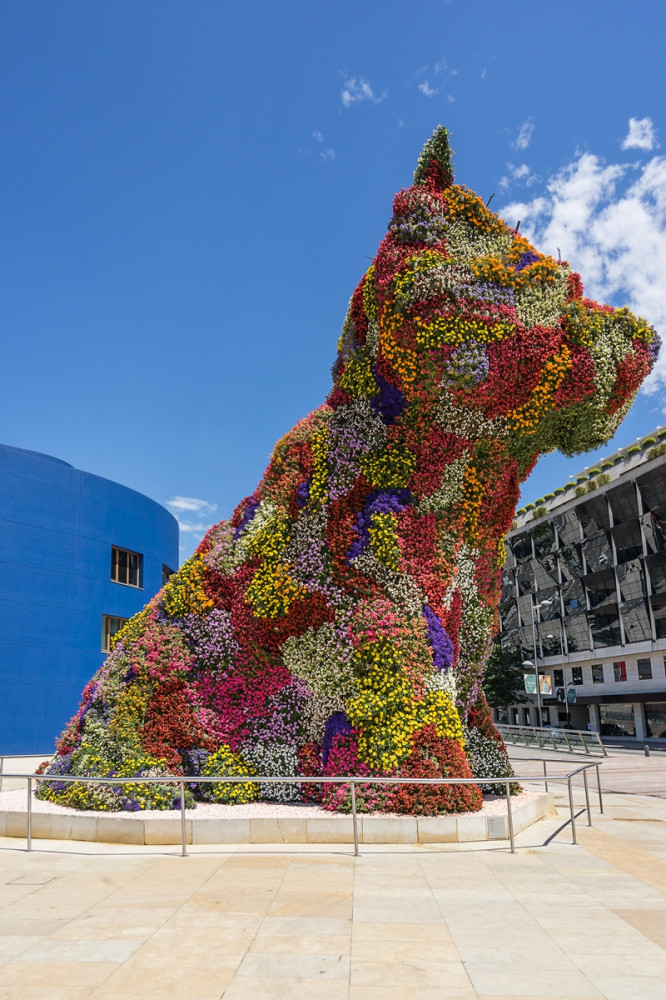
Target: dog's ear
(434,168)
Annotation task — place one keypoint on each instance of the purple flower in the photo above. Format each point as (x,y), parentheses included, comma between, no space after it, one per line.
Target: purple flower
(248,514)
(390,402)
(284,718)
(377,503)
(529,257)
(654,347)
(468,365)
(211,639)
(303,493)
(337,725)
(439,639)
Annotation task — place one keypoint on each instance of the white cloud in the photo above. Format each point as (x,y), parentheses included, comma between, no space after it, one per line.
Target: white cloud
(193,515)
(524,136)
(356,90)
(317,136)
(327,154)
(609,222)
(426,89)
(517,174)
(641,135)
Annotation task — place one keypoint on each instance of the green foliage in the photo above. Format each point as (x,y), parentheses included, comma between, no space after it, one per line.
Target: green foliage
(581,491)
(503,683)
(540,511)
(437,148)
(657,452)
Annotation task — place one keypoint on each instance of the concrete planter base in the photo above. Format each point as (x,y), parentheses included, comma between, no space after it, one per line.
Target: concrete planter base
(278,829)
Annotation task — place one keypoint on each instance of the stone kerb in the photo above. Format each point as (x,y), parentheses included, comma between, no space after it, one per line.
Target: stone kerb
(277,829)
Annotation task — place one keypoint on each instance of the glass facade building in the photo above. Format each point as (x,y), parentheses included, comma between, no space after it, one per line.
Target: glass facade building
(584,596)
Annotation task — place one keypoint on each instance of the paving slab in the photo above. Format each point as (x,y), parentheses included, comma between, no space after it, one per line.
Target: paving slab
(462,921)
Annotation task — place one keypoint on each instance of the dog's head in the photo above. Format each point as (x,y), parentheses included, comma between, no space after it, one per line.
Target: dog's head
(461,315)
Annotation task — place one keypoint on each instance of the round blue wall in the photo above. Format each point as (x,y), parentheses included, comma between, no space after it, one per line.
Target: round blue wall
(57,528)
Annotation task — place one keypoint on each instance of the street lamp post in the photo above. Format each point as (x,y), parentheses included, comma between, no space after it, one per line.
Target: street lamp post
(551,636)
(532,666)
(526,663)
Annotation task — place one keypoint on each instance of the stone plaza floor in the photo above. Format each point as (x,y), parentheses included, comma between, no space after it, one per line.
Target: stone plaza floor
(459,921)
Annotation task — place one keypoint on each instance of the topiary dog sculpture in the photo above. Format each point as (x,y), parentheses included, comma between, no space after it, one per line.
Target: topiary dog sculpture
(339,622)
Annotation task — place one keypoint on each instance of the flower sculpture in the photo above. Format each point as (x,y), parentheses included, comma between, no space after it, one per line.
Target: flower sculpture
(340,621)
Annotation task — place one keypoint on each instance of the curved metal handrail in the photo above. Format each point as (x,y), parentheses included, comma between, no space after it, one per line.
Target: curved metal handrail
(552,738)
(351,780)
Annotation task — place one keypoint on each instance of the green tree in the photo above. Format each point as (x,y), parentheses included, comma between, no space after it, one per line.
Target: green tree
(503,682)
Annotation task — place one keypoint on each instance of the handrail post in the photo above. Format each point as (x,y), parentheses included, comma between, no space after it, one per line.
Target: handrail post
(28,830)
(571,810)
(354,819)
(509,816)
(566,739)
(545,774)
(183,831)
(587,798)
(601,801)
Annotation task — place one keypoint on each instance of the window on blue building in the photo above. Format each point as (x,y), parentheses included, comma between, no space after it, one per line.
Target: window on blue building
(110,625)
(126,566)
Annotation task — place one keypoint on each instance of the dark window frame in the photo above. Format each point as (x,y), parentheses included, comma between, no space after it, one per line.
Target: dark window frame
(108,631)
(126,567)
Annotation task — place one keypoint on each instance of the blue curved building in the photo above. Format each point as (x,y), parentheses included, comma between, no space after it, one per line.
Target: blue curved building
(79,555)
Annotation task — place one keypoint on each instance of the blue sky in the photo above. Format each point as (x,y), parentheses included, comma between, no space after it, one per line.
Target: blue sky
(191,189)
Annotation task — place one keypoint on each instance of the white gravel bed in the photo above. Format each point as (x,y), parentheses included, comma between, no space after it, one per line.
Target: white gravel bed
(15,801)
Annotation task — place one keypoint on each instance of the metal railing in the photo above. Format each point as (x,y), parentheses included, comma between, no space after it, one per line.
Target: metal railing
(552,738)
(182,780)
(25,757)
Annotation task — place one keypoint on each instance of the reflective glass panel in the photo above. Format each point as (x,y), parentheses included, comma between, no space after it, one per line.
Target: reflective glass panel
(522,548)
(577,631)
(601,588)
(656,566)
(598,552)
(645,670)
(543,538)
(655,718)
(568,527)
(628,540)
(605,627)
(617,720)
(653,495)
(654,532)
(593,515)
(624,502)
